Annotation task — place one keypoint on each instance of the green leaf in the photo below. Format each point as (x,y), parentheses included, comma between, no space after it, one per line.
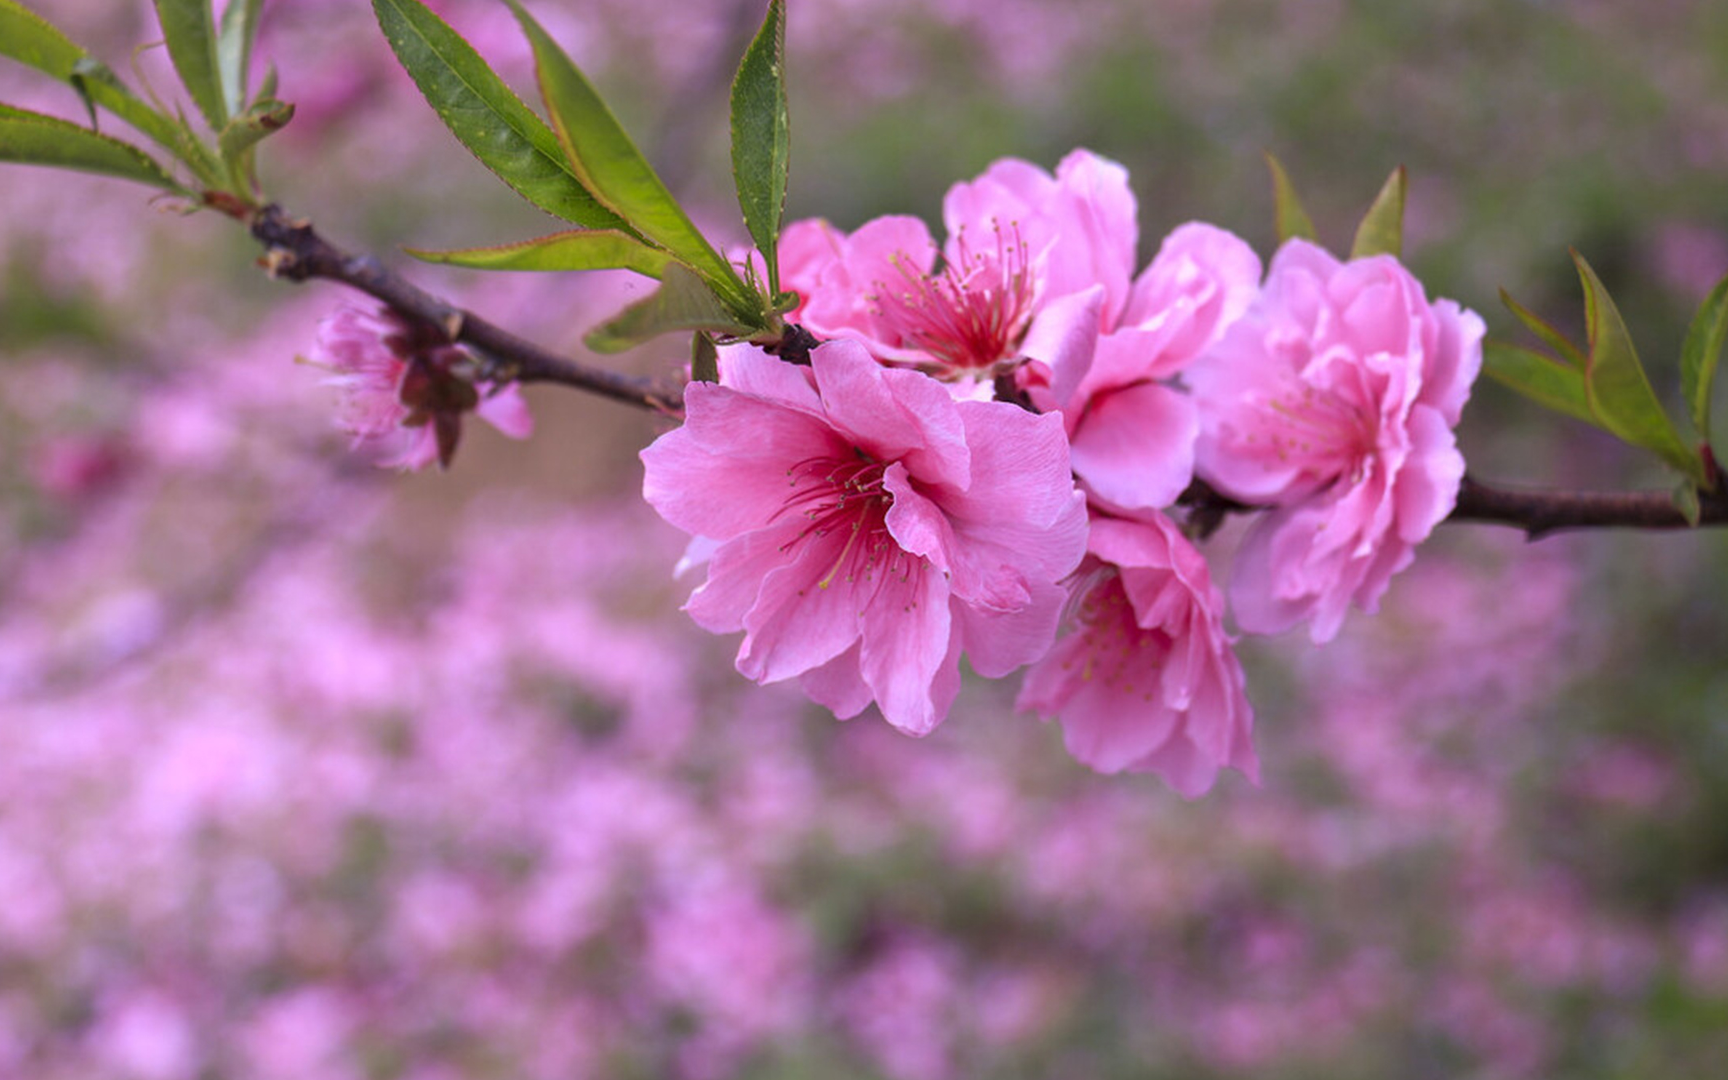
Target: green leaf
(190,30)
(34,139)
(1539,377)
(1619,391)
(267,85)
(28,38)
(234,41)
(1701,353)
(264,118)
(486,116)
(578,249)
(682,302)
(1382,229)
(1686,501)
(1545,330)
(1291,219)
(609,165)
(762,137)
(704,358)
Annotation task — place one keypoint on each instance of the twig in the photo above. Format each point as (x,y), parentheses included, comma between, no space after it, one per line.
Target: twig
(293,250)
(1539,513)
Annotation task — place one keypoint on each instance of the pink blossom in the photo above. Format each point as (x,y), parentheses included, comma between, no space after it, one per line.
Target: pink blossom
(1017,238)
(1078,224)
(1147,681)
(1131,437)
(1333,400)
(870,528)
(881,285)
(400,391)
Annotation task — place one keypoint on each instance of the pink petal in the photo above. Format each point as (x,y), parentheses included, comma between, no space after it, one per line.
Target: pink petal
(418,448)
(1134,447)
(905,643)
(705,479)
(919,525)
(1427,486)
(1022,510)
(805,613)
(736,570)
(838,685)
(893,415)
(749,370)
(999,642)
(1212,272)
(1064,336)
(507,411)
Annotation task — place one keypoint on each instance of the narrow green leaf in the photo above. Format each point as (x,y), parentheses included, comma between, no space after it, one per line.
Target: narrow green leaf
(234,41)
(1619,391)
(1542,328)
(97,83)
(486,116)
(1382,229)
(34,139)
(29,39)
(1291,219)
(264,118)
(682,302)
(762,137)
(1539,377)
(190,30)
(1686,500)
(1701,353)
(704,358)
(578,249)
(610,166)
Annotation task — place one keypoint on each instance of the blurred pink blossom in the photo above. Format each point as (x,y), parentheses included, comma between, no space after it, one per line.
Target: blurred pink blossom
(399,390)
(1333,399)
(77,466)
(898,1007)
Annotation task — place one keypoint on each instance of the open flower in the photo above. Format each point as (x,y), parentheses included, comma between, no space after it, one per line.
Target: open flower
(1333,399)
(1147,680)
(1131,436)
(1017,238)
(868,527)
(400,389)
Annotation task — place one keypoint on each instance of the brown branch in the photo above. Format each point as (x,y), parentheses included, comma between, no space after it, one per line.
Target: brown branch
(294,250)
(1539,513)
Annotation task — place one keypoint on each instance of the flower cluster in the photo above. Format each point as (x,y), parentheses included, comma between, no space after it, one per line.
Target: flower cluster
(987,456)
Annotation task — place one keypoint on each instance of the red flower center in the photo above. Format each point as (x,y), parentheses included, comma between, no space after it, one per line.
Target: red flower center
(970,314)
(844,502)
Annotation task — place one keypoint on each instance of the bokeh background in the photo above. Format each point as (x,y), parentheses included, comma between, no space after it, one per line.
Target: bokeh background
(313,771)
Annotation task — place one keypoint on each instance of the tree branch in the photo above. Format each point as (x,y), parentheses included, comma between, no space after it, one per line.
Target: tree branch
(293,250)
(1539,513)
